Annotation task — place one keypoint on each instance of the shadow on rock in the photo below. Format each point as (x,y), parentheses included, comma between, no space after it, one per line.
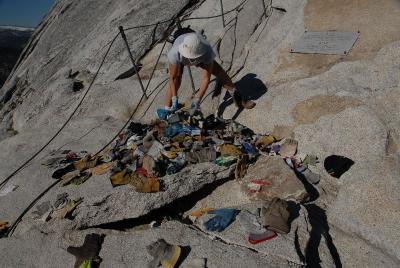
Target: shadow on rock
(250,87)
(294,210)
(185,251)
(172,211)
(313,193)
(319,227)
(131,72)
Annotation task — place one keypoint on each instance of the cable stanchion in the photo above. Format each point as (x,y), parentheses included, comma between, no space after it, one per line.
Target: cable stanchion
(222,13)
(137,106)
(121,30)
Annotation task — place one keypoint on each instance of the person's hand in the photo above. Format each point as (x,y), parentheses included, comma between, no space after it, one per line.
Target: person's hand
(194,106)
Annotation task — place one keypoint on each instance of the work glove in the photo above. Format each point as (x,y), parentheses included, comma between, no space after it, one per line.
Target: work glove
(223,217)
(194,106)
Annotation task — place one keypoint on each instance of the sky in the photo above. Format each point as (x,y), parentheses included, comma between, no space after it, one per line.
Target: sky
(26,13)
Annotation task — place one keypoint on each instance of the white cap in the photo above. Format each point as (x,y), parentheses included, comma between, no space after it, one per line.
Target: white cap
(193,46)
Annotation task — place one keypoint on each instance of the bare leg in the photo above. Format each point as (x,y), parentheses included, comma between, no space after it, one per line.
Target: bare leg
(223,77)
(227,83)
(175,79)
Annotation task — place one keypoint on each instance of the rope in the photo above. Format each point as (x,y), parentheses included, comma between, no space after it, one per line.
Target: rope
(66,122)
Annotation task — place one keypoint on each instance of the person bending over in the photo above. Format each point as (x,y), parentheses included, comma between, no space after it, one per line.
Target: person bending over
(192,49)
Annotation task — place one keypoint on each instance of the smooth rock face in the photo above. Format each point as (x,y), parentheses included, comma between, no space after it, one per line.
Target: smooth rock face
(128,249)
(232,46)
(34,249)
(193,242)
(278,178)
(377,215)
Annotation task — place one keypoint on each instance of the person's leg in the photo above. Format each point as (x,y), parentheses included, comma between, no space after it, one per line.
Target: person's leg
(175,79)
(227,83)
(223,77)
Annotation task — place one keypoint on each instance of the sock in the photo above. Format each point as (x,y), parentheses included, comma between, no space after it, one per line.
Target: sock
(174,106)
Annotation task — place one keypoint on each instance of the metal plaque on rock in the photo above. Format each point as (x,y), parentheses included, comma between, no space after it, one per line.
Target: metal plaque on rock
(331,42)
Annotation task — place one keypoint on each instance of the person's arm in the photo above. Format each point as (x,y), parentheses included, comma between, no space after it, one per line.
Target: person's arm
(175,78)
(205,80)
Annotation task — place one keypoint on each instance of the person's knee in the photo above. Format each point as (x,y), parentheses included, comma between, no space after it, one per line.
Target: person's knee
(222,76)
(226,81)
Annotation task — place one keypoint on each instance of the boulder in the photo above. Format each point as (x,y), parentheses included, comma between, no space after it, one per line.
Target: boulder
(275,179)
(124,203)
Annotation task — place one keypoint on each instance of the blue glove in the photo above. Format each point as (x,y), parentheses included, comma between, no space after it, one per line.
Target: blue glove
(194,106)
(162,113)
(223,217)
(248,148)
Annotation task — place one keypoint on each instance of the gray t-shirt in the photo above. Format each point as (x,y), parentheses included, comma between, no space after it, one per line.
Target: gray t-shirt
(175,58)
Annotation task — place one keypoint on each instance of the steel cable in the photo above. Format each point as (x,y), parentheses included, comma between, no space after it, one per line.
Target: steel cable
(188,19)
(16,222)
(26,210)
(91,84)
(65,123)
